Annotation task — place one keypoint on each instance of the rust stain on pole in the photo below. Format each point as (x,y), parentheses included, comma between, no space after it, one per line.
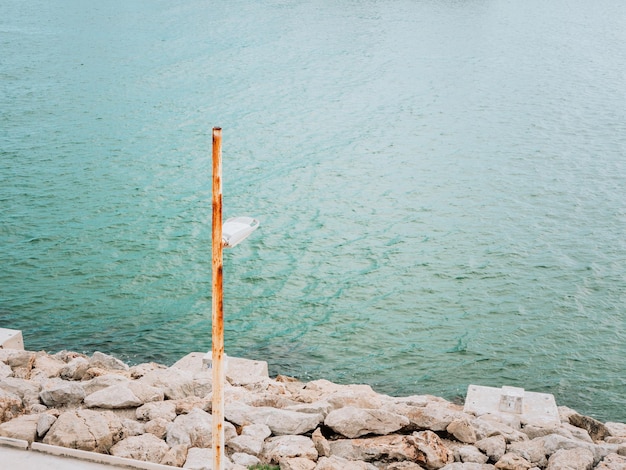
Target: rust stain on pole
(217,338)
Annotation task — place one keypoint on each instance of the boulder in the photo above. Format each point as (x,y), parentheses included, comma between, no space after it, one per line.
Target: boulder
(175,383)
(103,361)
(616,429)
(158,427)
(281,422)
(175,456)
(286,447)
(245,460)
(57,393)
(513,462)
(494,447)
(5,370)
(22,427)
(44,423)
(103,381)
(571,459)
(355,422)
(468,466)
(297,463)
(612,462)
(81,429)
(321,443)
(471,454)
(140,370)
(116,396)
(251,439)
(146,447)
(338,463)
(47,366)
(26,390)
(165,410)
(433,453)
(10,406)
(75,369)
(195,430)
(486,426)
(462,430)
(435,416)
(17,358)
(130,428)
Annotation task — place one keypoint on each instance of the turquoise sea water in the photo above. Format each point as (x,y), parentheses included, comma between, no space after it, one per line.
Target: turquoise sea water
(441,187)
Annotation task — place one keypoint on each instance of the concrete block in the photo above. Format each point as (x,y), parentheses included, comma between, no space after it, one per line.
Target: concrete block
(11,339)
(531,407)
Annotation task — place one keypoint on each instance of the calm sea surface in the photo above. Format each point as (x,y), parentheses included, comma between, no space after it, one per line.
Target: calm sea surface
(441,186)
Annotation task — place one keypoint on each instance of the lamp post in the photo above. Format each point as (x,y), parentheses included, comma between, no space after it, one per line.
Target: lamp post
(229,234)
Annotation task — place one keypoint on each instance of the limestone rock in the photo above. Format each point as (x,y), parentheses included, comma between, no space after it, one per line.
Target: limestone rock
(48,366)
(10,406)
(355,422)
(17,358)
(468,466)
(59,393)
(104,361)
(513,462)
(81,429)
(435,416)
(339,463)
(245,460)
(297,463)
(75,369)
(44,423)
(571,459)
(185,405)
(433,453)
(612,462)
(471,454)
(165,410)
(202,459)
(462,429)
(22,427)
(103,381)
(281,422)
(26,390)
(404,465)
(616,429)
(175,383)
(286,447)
(140,370)
(195,430)
(486,426)
(158,427)
(595,428)
(116,396)
(130,428)
(5,370)
(146,447)
(321,443)
(494,447)
(251,439)
(175,456)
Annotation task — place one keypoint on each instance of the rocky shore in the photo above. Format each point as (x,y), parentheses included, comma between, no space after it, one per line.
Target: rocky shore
(159,414)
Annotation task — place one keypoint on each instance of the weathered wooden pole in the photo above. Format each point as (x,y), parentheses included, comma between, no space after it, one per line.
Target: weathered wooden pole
(217,337)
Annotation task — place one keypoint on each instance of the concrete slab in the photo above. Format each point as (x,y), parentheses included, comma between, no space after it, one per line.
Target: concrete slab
(11,339)
(531,407)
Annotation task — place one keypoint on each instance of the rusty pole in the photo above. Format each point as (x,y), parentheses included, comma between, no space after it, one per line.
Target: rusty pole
(217,337)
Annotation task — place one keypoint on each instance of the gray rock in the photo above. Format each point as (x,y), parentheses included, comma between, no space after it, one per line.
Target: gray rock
(104,361)
(165,410)
(44,423)
(355,422)
(59,393)
(494,447)
(471,454)
(81,429)
(75,369)
(195,430)
(146,447)
(281,422)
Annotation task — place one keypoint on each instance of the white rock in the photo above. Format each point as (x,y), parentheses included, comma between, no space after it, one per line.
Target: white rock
(468,466)
(195,430)
(59,392)
(463,430)
(26,390)
(435,416)
(571,459)
(297,463)
(285,447)
(175,456)
(22,427)
(612,462)
(49,366)
(44,423)
(5,370)
(202,459)
(471,454)
(354,422)
(494,447)
(103,381)
(245,460)
(158,427)
(175,383)
(281,422)
(251,439)
(75,369)
(116,396)
(165,410)
(616,429)
(146,447)
(81,429)
(513,462)
(10,405)
(337,463)
(104,361)
(130,428)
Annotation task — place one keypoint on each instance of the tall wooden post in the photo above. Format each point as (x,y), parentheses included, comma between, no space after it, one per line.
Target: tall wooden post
(217,337)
